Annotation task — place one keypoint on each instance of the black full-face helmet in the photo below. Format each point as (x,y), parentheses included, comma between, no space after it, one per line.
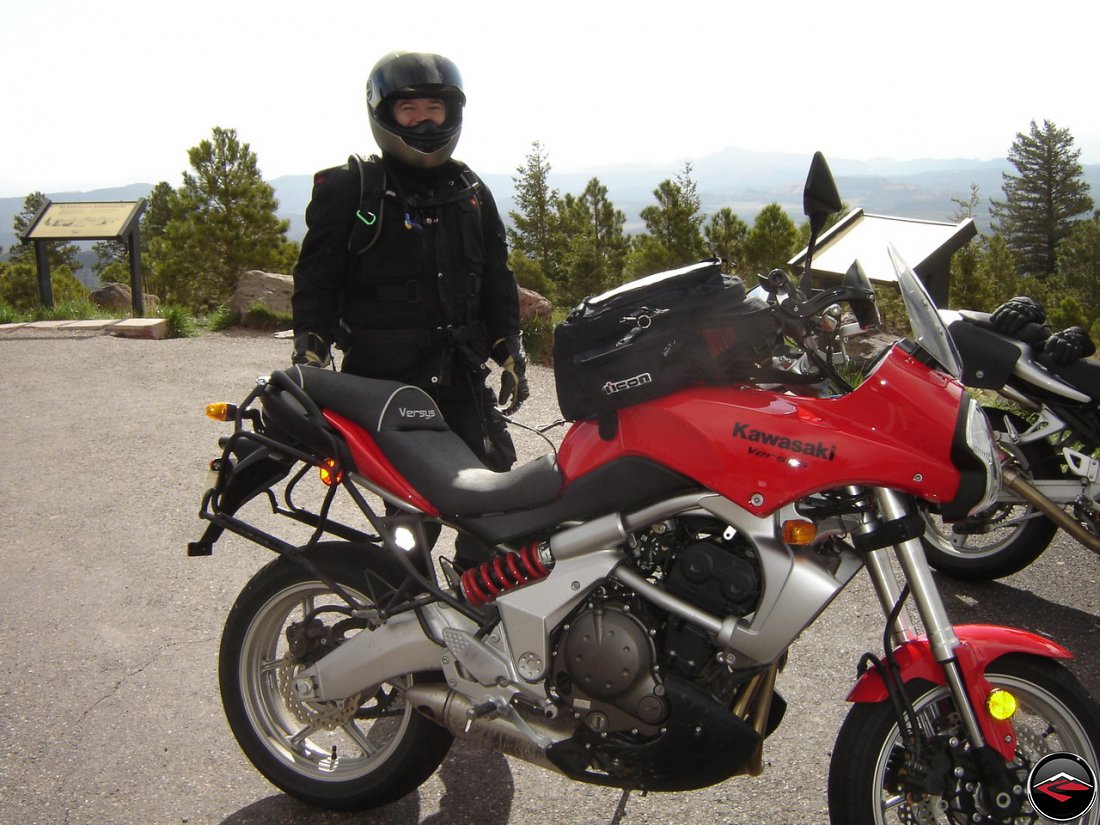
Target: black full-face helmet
(415,74)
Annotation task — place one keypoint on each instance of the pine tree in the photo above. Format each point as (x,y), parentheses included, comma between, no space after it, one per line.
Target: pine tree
(997,267)
(1079,267)
(595,246)
(222,223)
(772,241)
(969,288)
(675,221)
(673,237)
(1044,200)
(19,286)
(113,257)
(534,233)
(725,232)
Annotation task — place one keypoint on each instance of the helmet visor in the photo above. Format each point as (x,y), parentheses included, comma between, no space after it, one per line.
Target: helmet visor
(415,73)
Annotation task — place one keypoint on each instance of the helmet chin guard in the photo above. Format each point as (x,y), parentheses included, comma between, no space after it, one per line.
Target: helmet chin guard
(415,74)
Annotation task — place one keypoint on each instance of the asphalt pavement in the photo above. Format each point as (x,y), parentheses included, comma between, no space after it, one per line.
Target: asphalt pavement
(109,633)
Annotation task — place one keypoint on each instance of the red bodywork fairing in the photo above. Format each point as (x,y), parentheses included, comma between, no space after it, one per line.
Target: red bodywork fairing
(373,464)
(764,449)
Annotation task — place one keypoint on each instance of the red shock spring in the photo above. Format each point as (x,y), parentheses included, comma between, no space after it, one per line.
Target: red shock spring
(482,584)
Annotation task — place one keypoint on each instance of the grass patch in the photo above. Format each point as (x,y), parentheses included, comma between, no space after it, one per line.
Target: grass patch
(222,318)
(262,317)
(181,324)
(71,310)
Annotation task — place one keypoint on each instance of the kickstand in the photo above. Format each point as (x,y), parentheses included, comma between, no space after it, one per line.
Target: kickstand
(620,809)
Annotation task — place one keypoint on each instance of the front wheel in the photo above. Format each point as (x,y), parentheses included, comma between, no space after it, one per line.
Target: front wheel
(1005,537)
(867,784)
(364,751)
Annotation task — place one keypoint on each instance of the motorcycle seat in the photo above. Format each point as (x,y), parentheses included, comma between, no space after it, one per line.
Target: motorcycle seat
(409,429)
(1029,333)
(1083,374)
(994,353)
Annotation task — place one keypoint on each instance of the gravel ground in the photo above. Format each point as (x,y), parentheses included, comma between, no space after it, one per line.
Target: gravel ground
(109,633)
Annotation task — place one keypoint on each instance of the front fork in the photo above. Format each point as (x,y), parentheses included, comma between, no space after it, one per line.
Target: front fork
(963,677)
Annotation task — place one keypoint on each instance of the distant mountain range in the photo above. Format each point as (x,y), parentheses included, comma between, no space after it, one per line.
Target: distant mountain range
(740,179)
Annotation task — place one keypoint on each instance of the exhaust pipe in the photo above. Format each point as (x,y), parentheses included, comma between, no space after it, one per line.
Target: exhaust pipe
(1020,486)
(450,709)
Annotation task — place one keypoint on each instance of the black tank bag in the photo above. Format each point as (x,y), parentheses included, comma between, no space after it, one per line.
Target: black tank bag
(656,335)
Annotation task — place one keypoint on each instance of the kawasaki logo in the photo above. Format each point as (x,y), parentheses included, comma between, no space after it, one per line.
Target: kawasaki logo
(612,387)
(405,412)
(816,449)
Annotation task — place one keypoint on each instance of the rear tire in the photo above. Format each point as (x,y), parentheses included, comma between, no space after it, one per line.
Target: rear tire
(376,756)
(1055,714)
(1004,538)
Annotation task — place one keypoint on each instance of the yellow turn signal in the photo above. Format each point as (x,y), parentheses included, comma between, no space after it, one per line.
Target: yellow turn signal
(1002,704)
(221,411)
(799,532)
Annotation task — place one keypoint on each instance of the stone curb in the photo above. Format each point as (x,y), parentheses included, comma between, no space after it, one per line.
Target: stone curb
(155,328)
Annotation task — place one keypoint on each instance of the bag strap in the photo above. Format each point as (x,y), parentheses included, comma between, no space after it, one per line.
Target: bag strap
(367,225)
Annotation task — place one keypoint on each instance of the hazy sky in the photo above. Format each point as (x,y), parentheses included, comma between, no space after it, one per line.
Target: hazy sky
(105,94)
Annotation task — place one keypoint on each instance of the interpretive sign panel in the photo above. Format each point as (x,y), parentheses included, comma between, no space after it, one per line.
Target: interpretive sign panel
(87,221)
(91,221)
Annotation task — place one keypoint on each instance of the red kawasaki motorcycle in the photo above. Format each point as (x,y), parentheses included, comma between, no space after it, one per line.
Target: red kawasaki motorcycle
(644,585)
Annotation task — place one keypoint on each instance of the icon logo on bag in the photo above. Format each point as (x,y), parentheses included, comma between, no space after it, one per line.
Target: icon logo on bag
(1061,786)
(612,387)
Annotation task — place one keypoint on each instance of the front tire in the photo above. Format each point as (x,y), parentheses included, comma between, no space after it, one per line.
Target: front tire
(1005,537)
(1055,714)
(364,752)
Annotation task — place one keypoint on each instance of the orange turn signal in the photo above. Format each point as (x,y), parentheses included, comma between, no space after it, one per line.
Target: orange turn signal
(221,411)
(329,473)
(799,532)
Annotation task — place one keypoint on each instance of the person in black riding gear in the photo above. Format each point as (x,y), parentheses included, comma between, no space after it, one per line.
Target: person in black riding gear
(404,264)
(404,261)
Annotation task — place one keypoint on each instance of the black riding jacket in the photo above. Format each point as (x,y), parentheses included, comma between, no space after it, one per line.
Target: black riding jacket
(431,294)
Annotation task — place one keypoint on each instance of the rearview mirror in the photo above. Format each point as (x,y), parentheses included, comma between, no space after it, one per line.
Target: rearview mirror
(861,296)
(820,197)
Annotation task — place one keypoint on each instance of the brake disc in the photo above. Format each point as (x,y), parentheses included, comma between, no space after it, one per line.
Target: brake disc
(333,715)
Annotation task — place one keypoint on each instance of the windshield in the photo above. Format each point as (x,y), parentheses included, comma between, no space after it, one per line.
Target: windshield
(928,330)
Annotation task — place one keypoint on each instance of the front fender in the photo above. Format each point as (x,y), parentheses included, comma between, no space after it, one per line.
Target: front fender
(979,646)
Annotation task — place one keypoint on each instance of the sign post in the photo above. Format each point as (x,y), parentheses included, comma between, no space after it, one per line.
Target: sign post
(88,221)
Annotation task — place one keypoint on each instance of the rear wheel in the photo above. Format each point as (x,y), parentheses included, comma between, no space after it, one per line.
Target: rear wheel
(1006,537)
(365,751)
(866,775)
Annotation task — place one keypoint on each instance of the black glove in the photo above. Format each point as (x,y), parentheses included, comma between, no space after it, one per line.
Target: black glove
(508,353)
(1069,345)
(310,350)
(1013,314)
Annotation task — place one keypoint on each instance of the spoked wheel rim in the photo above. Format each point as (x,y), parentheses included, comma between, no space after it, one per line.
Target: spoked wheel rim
(991,531)
(1043,725)
(328,742)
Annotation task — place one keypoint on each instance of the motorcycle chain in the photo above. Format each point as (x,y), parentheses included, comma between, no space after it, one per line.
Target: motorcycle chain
(336,715)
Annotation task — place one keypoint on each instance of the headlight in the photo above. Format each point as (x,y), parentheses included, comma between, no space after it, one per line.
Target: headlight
(976,456)
(982,442)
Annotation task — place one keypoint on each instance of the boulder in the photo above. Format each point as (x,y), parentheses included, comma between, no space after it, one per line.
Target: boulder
(117,296)
(531,306)
(269,289)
